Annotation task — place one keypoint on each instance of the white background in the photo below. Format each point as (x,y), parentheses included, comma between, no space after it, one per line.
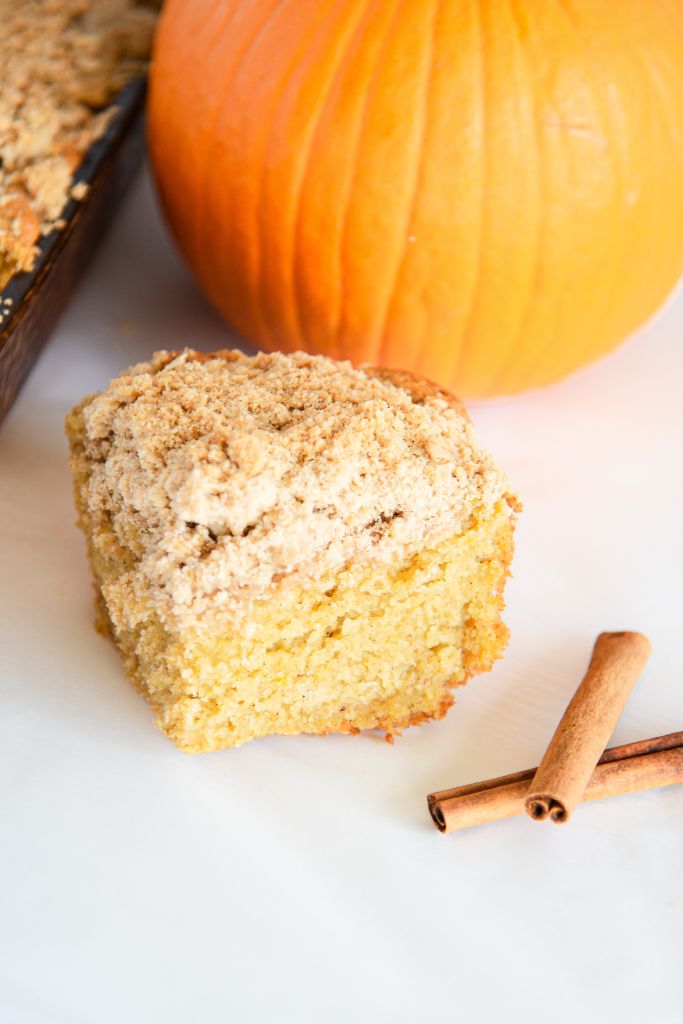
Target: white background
(301,879)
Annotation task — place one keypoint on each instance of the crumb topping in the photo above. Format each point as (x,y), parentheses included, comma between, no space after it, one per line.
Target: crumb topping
(62,61)
(227,475)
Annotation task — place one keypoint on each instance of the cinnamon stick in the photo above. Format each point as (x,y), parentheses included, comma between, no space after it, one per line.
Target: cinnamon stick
(586,726)
(628,768)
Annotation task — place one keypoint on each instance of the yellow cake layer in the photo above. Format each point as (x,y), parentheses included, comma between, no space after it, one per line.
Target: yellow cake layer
(368,647)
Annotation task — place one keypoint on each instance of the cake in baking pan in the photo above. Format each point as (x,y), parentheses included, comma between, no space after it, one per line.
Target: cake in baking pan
(62,63)
(283,544)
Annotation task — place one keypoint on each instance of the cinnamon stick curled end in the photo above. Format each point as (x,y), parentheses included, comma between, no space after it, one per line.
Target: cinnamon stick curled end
(539,807)
(542,807)
(437,813)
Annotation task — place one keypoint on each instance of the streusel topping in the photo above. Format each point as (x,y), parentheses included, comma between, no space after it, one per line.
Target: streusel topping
(226,475)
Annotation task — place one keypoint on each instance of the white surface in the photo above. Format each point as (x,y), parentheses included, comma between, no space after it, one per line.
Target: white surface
(300,879)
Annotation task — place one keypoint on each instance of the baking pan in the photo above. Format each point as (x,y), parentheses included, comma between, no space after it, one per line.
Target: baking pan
(31,303)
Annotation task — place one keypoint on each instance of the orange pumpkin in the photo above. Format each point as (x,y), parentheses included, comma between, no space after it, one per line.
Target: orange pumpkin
(486,192)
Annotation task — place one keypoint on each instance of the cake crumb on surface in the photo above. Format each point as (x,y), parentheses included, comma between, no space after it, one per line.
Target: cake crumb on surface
(79,191)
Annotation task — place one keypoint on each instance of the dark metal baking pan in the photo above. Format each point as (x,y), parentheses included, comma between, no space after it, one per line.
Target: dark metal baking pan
(38,297)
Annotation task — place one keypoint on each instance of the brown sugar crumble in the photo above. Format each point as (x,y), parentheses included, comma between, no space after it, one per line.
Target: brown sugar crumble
(285,466)
(62,61)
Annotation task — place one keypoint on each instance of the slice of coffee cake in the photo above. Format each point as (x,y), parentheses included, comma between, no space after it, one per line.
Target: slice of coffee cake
(284,544)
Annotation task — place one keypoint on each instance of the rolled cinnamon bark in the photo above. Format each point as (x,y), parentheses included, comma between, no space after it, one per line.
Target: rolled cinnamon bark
(645,764)
(586,726)
(453,809)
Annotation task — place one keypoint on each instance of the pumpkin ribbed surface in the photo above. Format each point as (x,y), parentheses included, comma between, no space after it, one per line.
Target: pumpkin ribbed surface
(486,192)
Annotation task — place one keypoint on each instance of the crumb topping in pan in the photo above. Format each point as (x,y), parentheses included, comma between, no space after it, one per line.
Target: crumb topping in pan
(62,61)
